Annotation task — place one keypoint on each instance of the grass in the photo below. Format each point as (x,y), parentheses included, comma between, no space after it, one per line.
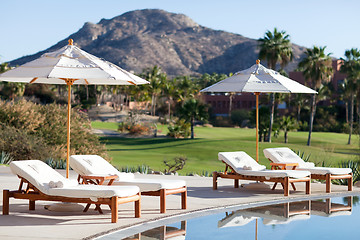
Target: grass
(202,151)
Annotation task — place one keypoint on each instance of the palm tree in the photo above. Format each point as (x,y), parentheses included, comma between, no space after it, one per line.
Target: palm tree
(287,124)
(316,68)
(344,90)
(169,92)
(299,101)
(153,75)
(193,109)
(351,67)
(187,88)
(275,48)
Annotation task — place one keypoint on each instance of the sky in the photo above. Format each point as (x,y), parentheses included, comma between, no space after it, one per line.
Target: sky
(29,26)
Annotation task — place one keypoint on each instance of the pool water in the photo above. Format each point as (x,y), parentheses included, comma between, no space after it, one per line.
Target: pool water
(335,218)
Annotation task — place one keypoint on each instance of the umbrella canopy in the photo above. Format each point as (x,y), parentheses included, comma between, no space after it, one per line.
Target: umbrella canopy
(71,65)
(70,62)
(258,79)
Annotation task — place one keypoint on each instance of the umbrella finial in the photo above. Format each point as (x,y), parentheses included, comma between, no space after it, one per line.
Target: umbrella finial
(71,41)
(258,61)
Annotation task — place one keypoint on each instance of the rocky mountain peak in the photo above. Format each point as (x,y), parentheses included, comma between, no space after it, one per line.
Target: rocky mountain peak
(143,38)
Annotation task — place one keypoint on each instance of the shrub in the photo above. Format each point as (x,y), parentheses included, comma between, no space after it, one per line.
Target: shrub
(238,117)
(179,129)
(21,146)
(40,131)
(177,164)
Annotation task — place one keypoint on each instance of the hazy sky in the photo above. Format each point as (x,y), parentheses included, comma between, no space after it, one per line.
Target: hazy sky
(29,26)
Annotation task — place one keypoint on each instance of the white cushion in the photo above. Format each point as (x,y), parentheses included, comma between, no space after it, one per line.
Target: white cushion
(237,160)
(146,185)
(274,173)
(96,165)
(286,155)
(40,175)
(240,160)
(326,170)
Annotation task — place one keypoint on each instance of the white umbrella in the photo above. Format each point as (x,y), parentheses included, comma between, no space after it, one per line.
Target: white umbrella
(70,65)
(258,79)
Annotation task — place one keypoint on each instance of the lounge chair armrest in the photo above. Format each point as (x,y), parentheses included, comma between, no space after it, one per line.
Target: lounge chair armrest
(98,179)
(283,166)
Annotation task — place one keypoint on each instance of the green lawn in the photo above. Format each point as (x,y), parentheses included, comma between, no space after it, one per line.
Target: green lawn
(201,152)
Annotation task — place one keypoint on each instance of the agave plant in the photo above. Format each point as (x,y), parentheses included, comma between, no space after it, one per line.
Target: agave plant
(302,155)
(5,158)
(56,164)
(141,169)
(354,165)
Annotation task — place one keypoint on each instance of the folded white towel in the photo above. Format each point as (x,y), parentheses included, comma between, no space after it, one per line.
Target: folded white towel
(52,184)
(58,184)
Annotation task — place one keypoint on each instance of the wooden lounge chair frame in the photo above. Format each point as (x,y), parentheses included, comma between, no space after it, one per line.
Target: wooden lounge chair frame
(327,177)
(162,193)
(33,194)
(285,181)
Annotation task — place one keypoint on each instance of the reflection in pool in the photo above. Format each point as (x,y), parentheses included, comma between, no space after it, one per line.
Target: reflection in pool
(312,219)
(163,232)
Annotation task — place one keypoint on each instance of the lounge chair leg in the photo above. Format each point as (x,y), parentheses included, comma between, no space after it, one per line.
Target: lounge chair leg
(293,186)
(307,186)
(273,188)
(215,176)
(236,183)
(6,197)
(350,180)
(98,208)
(138,208)
(87,207)
(183,199)
(114,209)
(162,200)
(31,204)
(328,183)
(286,186)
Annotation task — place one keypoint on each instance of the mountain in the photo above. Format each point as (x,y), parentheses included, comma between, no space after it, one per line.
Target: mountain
(143,38)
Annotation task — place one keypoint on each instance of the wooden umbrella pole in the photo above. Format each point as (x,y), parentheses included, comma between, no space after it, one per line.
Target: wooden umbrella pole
(257,126)
(68,129)
(256,229)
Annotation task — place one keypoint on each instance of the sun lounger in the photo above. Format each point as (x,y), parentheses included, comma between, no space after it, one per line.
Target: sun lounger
(271,215)
(242,166)
(95,169)
(40,182)
(283,157)
(329,209)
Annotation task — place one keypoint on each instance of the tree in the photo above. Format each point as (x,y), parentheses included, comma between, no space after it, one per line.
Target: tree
(344,90)
(169,92)
(351,67)
(299,101)
(316,68)
(154,75)
(191,110)
(187,88)
(287,124)
(275,48)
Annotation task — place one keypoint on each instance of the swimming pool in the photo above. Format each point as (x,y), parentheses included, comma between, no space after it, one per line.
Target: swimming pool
(333,218)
